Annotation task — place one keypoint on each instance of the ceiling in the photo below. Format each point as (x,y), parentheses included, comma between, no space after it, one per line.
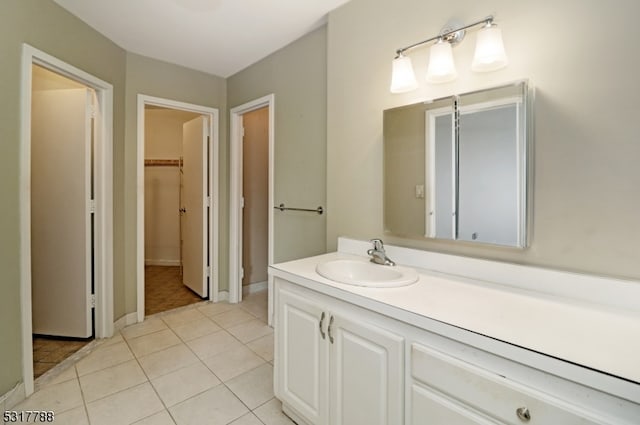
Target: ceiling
(220,37)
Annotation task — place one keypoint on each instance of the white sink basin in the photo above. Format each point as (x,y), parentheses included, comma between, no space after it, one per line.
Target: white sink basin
(366,273)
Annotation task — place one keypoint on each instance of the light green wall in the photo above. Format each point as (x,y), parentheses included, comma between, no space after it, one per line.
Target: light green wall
(45,26)
(585,163)
(404,168)
(296,75)
(168,81)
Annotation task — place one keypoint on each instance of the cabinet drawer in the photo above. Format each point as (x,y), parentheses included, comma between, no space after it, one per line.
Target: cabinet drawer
(429,408)
(489,393)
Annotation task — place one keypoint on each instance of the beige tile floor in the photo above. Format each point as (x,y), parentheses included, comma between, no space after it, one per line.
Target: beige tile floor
(201,364)
(163,290)
(48,352)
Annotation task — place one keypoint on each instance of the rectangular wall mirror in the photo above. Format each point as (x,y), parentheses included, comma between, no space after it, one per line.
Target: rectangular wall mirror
(456,168)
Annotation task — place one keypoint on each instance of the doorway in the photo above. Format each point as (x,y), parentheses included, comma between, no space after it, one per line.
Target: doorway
(251,198)
(177,241)
(170,272)
(66,207)
(62,139)
(255,192)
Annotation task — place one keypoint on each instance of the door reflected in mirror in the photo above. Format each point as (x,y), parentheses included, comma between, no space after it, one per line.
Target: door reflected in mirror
(456,168)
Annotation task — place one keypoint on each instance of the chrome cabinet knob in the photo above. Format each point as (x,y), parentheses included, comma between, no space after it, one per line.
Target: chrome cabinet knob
(523,414)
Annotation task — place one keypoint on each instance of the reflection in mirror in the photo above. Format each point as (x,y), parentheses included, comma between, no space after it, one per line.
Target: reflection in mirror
(405,180)
(441,140)
(488,171)
(455,168)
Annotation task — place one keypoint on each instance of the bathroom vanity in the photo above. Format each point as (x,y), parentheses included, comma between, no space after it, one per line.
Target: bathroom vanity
(470,342)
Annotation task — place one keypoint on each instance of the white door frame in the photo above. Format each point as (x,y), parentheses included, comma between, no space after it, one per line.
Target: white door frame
(213,118)
(103,184)
(235,195)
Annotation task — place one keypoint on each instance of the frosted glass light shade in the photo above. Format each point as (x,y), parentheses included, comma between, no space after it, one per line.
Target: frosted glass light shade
(441,67)
(403,78)
(489,54)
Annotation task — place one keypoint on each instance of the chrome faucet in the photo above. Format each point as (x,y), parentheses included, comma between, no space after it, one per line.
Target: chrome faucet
(378,255)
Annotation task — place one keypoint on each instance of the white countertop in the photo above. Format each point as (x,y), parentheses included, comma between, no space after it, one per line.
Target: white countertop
(598,337)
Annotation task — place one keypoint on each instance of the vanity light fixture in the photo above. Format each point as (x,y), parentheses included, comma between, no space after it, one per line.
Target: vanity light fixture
(489,56)
(441,66)
(402,77)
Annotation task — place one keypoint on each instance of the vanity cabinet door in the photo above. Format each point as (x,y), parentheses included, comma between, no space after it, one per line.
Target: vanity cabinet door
(301,356)
(367,373)
(335,363)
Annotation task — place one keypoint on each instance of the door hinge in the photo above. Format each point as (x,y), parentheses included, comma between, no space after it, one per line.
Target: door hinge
(241,272)
(208,201)
(92,300)
(208,271)
(92,206)
(242,202)
(242,133)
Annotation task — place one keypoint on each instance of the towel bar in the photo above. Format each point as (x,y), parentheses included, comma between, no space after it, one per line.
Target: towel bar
(282,207)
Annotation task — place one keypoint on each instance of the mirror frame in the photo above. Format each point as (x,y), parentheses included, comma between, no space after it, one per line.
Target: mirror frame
(523,101)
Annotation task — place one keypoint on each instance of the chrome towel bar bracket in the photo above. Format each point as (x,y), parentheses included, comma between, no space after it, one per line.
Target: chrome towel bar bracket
(282,207)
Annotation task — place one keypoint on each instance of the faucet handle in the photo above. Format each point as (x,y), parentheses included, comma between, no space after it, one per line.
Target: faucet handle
(378,245)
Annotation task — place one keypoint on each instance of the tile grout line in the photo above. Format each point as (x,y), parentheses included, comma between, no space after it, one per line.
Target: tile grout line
(162,316)
(84,401)
(137,359)
(208,368)
(183,342)
(265,362)
(166,408)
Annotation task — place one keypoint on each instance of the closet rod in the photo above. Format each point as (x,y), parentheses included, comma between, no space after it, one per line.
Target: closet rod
(161,162)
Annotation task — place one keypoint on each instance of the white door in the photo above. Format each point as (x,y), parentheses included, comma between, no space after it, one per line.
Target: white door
(302,347)
(366,373)
(60,214)
(194,208)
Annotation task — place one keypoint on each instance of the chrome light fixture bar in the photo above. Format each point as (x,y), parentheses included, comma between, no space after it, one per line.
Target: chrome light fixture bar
(489,56)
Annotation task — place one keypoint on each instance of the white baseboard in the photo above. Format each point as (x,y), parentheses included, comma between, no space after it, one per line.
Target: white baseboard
(223,296)
(12,397)
(254,287)
(152,262)
(126,320)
